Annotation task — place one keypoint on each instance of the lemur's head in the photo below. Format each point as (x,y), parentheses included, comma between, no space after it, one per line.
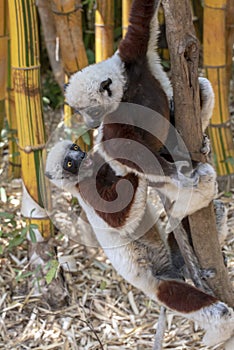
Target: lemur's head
(97,90)
(67,164)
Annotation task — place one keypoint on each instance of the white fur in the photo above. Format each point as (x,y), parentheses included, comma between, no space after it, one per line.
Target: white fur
(83,89)
(208,100)
(154,60)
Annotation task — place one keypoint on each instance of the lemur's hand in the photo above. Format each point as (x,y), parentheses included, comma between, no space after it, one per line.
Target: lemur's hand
(205,149)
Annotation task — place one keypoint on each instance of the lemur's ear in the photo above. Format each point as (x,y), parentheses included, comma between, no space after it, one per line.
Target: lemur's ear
(105,86)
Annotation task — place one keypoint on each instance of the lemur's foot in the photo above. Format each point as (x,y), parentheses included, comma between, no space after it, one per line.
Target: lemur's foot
(205,274)
(205,149)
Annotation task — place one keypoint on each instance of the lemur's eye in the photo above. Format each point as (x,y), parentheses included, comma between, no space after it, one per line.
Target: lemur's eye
(74,147)
(69,164)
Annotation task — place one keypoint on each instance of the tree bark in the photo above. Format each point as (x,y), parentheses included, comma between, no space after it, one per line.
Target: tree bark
(184,53)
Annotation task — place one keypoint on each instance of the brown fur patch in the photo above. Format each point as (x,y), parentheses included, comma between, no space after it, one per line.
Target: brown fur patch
(106,183)
(182,297)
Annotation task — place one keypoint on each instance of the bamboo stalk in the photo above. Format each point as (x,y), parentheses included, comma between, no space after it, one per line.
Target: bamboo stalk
(14,166)
(215,64)
(68,21)
(49,30)
(104,33)
(3,60)
(126,6)
(230,37)
(163,49)
(28,103)
(198,20)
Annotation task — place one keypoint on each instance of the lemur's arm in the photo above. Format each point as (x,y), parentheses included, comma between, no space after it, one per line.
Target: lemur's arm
(135,43)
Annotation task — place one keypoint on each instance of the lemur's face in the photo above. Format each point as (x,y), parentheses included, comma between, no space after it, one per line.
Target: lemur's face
(97,90)
(67,164)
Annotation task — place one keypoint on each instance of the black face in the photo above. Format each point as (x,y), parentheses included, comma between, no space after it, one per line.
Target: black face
(73,159)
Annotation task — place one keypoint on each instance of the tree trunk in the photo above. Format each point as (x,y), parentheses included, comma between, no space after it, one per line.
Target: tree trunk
(184,53)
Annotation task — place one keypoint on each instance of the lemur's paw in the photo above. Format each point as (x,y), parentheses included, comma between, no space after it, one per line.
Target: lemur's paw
(207,181)
(206,172)
(205,274)
(205,149)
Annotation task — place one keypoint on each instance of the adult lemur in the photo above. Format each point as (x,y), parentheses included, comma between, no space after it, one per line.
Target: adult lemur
(134,75)
(111,183)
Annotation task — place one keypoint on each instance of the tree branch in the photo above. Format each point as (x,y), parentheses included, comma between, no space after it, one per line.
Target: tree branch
(184,53)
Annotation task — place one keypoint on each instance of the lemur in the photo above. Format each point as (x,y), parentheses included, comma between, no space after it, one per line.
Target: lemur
(134,75)
(123,220)
(127,230)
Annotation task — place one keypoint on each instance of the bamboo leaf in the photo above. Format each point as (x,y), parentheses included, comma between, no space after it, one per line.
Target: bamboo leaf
(32,235)
(51,274)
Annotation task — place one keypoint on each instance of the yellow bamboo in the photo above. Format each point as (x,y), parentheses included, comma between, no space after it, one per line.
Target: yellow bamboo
(198,18)
(28,103)
(215,64)
(104,29)
(126,6)
(14,167)
(230,37)
(3,60)
(163,51)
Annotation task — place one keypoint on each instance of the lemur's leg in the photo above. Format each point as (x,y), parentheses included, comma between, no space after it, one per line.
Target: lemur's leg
(185,195)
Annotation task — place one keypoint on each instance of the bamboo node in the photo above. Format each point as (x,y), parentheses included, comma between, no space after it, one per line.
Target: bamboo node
(225,124)
(29,149)
(38,66)
(222,8)
(76,8)
(214,67)
(14,164)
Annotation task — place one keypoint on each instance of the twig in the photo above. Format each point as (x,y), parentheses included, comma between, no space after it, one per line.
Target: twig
(159,336)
